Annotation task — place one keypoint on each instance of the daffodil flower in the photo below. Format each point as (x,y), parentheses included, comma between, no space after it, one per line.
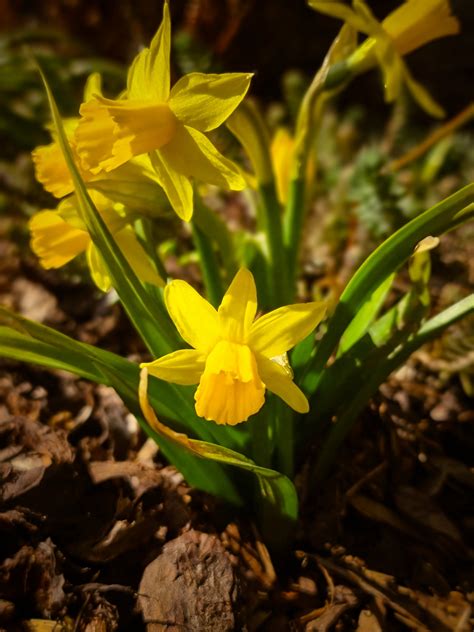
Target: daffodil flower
(410,26)
(58,236)
(282,152)
(235,358)
(134,184)
(168,124)
(281,149)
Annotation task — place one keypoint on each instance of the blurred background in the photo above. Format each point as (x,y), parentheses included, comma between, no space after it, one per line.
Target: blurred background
(269,37)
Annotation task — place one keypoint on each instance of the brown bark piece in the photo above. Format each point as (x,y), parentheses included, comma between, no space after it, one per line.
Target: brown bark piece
(32,577)
(190,586)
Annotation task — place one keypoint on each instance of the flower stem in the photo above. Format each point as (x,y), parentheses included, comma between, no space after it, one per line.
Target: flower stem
(277,269)
(211,225)
(144,230)
(209,265)
(293,227)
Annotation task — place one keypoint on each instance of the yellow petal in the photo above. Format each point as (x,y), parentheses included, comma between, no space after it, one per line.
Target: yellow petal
(205,101)
(93,86)
(98,269)
(54,241)
(137,257)
(176,185)
(131,128)
(95,137)
(277,380)
(136,186)
(149,74)
(421,95)
(230,389)
(50,166)
(238,308)
(340,10)
(280,330)
(191,153)
(51,170)
(195,318)
(417,22)
(180,367)
(391,65)
(248,125)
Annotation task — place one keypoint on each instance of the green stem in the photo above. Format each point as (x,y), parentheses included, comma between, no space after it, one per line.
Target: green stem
(328,81)
(214,228)
(277,269)
(284,438)
(261,444)
(144,230)
(293,227)
(209,265)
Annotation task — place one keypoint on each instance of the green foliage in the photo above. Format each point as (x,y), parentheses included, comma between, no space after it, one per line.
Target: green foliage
(376,194)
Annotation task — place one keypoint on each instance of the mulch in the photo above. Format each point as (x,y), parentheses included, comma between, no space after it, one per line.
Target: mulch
(99,533)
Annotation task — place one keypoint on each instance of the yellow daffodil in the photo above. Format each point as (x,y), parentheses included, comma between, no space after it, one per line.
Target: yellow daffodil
(134,184)
(59,236)
(282,148)
(168,124)
(235,358)
(282,152)
(410,26)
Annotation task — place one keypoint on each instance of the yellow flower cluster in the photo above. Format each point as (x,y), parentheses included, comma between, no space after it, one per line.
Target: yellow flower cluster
(152,138)
(58,236)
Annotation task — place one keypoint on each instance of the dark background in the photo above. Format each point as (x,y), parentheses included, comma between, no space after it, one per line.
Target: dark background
(270,36)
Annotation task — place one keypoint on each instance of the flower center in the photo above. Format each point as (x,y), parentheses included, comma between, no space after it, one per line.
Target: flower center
(230,389)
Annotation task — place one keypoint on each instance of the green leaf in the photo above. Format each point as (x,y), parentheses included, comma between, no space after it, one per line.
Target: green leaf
(153,324)
(26,349)
(173,402)
(365,316)
(383,262)
(61,352)
(380,365)
(216,230)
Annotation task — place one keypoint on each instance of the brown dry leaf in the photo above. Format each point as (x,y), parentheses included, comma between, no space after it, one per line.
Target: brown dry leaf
(423,510)
(33,449)
(46,625)
(98,615)
(344,599)
(190,586)
(35,302)
(453,611)
(32,576)
(380,513)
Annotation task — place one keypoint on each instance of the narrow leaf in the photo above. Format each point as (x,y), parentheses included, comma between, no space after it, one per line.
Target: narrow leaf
(277,489)
(152,324)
